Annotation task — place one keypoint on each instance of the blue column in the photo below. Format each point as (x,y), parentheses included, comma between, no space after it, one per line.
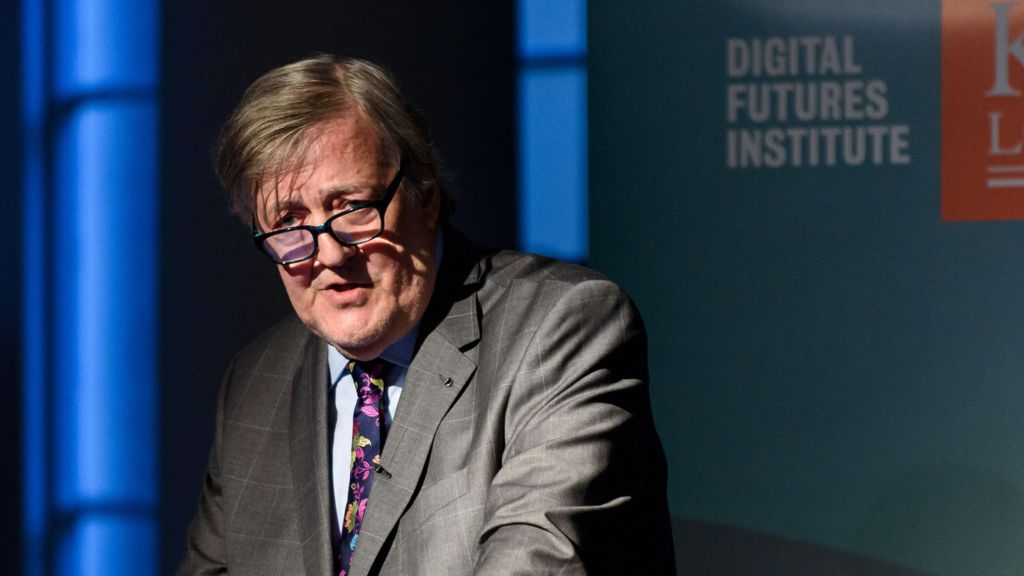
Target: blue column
(91,255)
(553,128)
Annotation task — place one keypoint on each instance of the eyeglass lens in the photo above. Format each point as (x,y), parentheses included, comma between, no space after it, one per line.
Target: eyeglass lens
(349,228)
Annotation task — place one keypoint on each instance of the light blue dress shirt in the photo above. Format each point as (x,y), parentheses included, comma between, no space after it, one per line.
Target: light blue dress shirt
(344,392)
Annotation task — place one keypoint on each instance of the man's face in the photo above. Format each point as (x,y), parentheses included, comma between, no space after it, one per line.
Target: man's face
(363,298)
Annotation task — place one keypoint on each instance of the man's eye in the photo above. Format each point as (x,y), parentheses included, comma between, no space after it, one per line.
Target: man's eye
(286,221)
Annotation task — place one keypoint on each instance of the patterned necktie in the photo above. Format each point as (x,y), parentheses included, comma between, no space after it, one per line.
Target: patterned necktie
(367,440)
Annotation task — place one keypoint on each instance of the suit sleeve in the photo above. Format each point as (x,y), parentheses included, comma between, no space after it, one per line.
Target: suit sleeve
(581,488)
(205,554)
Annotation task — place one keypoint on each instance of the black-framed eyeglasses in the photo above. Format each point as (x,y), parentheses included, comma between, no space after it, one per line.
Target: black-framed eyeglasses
(360,222)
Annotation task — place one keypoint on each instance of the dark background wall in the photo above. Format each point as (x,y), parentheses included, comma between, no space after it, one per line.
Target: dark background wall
(10,287)
(455,59)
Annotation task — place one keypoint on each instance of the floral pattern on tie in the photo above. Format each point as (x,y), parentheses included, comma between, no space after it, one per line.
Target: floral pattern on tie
(366,444)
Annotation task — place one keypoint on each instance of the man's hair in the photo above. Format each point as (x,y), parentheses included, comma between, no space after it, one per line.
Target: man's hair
(267,136)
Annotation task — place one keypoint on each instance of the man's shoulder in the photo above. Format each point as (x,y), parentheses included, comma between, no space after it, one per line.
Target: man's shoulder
(509,266)
(283,341)
(534,287)
(500,267)
(502,275)
(494,275)
(265,366)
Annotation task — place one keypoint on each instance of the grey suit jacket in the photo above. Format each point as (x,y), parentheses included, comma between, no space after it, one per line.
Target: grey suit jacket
(523,443)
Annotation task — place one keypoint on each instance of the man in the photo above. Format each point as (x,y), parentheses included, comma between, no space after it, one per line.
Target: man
(433,407)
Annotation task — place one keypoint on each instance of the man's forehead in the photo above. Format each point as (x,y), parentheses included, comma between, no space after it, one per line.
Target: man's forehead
(348,145)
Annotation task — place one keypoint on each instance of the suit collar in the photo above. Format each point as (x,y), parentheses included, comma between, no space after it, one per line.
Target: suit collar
(453,311)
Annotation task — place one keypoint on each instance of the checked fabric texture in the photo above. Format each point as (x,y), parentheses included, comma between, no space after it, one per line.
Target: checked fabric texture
(367,440)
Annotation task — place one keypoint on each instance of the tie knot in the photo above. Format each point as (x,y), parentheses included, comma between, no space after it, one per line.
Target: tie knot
(374,368)
(369,375)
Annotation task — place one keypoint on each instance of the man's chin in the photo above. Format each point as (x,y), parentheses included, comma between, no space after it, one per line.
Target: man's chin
(358,344)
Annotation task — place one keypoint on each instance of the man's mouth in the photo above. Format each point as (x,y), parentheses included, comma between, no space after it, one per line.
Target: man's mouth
(345,290)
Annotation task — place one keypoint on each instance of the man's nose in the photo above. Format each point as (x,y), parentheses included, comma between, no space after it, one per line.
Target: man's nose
(331,252)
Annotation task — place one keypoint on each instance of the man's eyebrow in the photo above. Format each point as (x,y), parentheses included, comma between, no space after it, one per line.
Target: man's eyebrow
(329,193)
(283,206)
(371,190)
(344,190)
(368,191)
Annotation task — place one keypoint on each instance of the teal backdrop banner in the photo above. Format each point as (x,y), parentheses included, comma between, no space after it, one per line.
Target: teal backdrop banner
(837,372)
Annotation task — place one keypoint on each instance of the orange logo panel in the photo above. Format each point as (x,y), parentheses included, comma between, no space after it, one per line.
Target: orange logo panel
(982,110)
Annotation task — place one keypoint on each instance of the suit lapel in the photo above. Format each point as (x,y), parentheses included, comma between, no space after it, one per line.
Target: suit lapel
(308,455)
(436,376)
